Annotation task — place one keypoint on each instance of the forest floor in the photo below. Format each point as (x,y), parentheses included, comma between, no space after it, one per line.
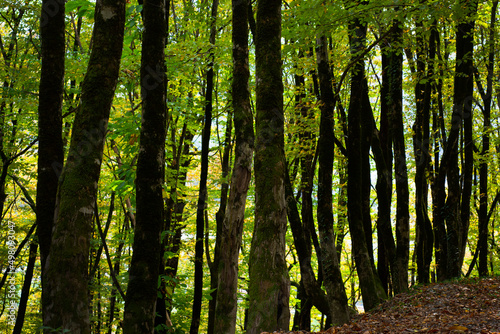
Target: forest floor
(464,306)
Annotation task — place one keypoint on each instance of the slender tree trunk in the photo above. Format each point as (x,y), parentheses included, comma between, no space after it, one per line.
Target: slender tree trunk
(25,291)
(312,286)
(421,148)
(450,210)
(382,151)
(302,230)
(333,282)
(269,286)
(438,130)
(50,144)
(66,289)
(465,98)
(483,168)
(400,277)
(232,227)
(371,287)
(219,217)
(140,303)
(202,196)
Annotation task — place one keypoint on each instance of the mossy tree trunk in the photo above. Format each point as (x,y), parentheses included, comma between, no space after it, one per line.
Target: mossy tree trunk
(140,303)
(66,267)
(232,226)
(269,286)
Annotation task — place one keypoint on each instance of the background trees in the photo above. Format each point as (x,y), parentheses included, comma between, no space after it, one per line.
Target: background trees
(403,99)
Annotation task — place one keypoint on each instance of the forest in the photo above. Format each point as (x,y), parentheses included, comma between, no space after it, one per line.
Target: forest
(241,166)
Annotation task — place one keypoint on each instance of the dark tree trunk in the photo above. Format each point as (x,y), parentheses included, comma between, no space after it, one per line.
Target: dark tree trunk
(465,49)
(202,196)
(382,151)
(50,144)
(25,291)
(333,282)
(312,286)
(399,276)
(140,303)
(359,109)
(302,231)
(269,286)
(232,226)
(449,209)
(66,289)
(487,96)
(219,217)
(421,148)
(438,227)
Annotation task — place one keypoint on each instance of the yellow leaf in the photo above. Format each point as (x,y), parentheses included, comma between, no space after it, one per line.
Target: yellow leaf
(458,328)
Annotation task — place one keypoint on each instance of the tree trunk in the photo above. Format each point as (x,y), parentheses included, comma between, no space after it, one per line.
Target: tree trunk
(25,291)
(232,227)
(333,282)
(382,151)
(483,168)
(202,196)
(50,144)
(66,289)
(400,277)
(269,286)
(449,209)
(421,148)
(371,287)
(219,217)
(140,303)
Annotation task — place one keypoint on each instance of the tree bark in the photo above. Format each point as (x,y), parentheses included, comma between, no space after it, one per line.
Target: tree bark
(202,196)
(333,282)
(140,303)
(359,109)
(487,96)
(421,149)
(448,207)
(400,277)
(232,226)
(66,289)
(50,144)
(269,286)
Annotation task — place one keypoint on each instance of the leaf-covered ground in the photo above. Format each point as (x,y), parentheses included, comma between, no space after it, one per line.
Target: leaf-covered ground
(467,306)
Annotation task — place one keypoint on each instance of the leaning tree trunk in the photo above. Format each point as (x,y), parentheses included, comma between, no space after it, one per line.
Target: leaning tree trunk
(140,302)
(232,227)
(334,285)
(269,286)
(66,266)
(50,144)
